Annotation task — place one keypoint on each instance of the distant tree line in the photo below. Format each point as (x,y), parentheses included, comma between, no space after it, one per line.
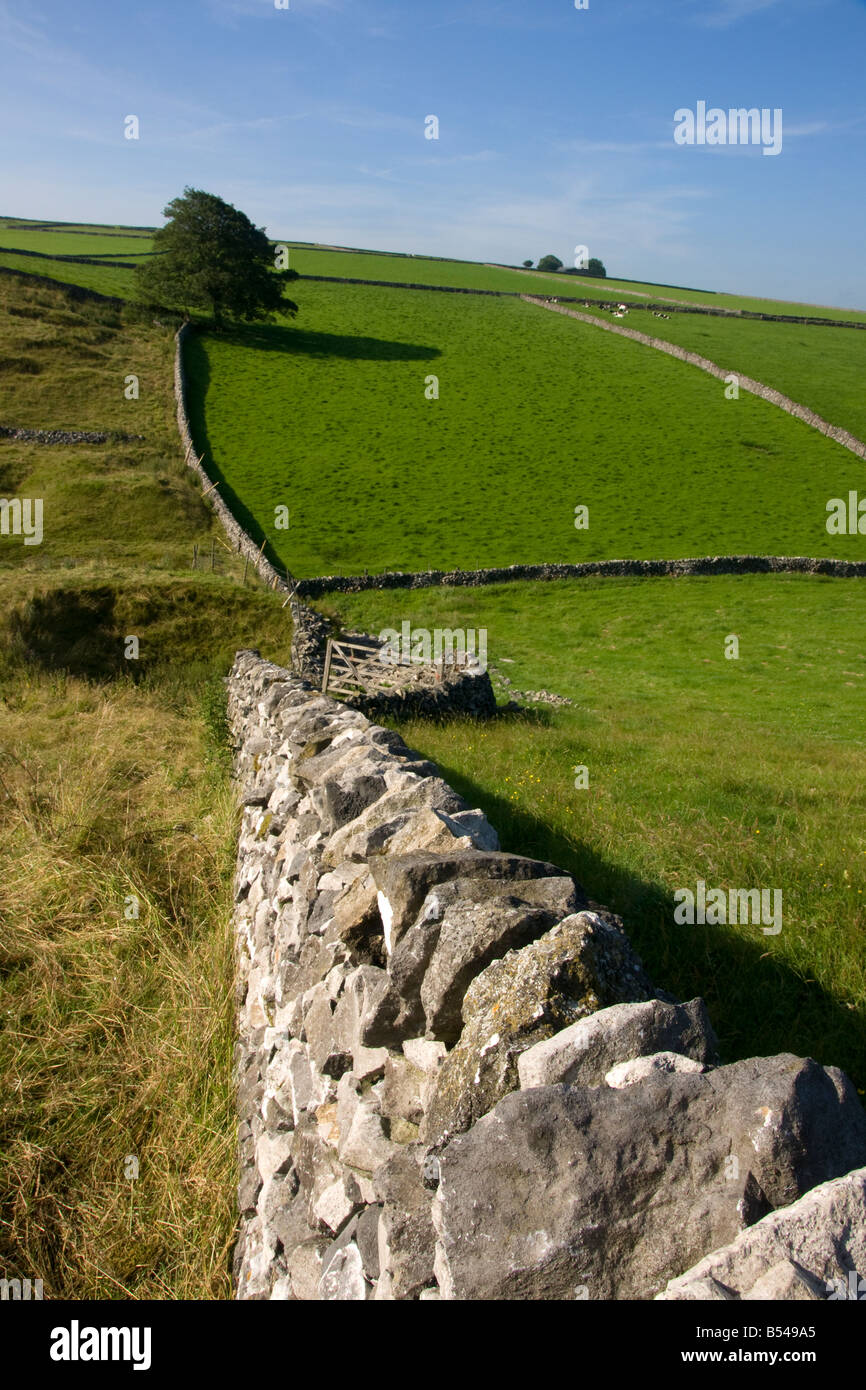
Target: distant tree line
(552,264)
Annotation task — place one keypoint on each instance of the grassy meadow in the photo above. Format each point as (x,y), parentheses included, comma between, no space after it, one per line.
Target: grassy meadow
(104,279)
(116,1029)
(128,243)
(822,368)
(536,414)
(744,773)
(375,265)
(50,239)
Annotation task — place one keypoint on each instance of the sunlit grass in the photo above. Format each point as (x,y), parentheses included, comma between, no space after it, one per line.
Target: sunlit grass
(744,773)
(536,414)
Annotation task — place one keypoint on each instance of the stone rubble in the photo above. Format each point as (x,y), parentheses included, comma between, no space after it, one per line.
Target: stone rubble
(806,1251)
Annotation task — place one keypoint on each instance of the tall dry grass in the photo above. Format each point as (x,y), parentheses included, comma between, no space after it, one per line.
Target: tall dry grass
(116,1029)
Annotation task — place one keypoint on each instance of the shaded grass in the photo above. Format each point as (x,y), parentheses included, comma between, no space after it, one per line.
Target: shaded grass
(747,773)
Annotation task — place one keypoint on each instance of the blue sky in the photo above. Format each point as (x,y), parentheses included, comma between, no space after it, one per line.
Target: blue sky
(555,127)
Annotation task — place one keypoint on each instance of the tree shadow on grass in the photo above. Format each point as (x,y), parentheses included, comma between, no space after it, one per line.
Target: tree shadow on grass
(274,337)
(758,1005)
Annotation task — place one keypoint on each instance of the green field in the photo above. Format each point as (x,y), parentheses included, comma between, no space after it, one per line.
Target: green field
(105,279)
(50,243)
(369,265)
(537,414)
(744,773)
(133,243)
(822,368)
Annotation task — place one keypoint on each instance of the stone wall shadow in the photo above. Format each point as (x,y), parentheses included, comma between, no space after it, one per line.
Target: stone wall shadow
(758,1004)
(273,338)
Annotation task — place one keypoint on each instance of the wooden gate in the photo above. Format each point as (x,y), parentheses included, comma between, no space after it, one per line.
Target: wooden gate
(353,664)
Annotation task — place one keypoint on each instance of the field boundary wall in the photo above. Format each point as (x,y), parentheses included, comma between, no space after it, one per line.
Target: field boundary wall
(755,388)
(444,1051)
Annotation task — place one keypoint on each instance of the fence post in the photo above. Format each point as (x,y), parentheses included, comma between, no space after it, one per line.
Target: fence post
(327,667)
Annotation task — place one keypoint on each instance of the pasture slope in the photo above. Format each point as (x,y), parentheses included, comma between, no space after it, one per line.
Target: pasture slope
(744,773)
(820,367)
(58,238)
(117,821)
(536,415)
(739,772)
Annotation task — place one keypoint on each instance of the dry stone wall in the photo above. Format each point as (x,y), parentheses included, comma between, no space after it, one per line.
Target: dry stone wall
(430,690)
(241,542)
(756,388)
(309,629)
(455,1078)
(611,569)
(73,260)
(67,436)
(672,306)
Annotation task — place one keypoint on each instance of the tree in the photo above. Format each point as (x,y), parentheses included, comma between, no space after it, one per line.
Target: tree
(550,263)
(593,267)
(527,265)
(211,254)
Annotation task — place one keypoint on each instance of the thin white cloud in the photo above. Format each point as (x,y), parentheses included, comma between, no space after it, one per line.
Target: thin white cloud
(229,11)
(611,146)
(808,128)
(63,68)
(479,157)
(732,11)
